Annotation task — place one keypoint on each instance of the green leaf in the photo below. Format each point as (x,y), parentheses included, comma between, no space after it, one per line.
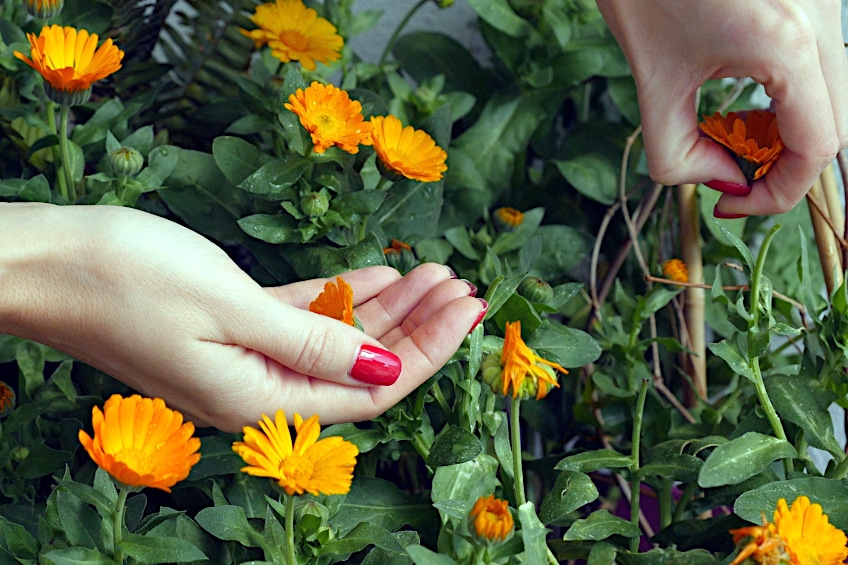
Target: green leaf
(229,523)
(678,467)
(77,556)
(831,494)
(150,549)
(36,189)
(622,90)
(731,355)
(563,248)
(740,246)
(518,308)
(18,540)
(600,525)
(796,400)
(501,289)
(364,439)
(236,158)
(383,504)
(454,445)
(591,461)
(465,482)
(571,490)
(423,556)
(425,54)
(668,556)
(274,177)
(512,240)
(602,553)
(741,458)
(276,228)
(500,15)
(593,175)
(565,345)
(411,209)
(217,458)
(533,533)
(316,261)
(359,538)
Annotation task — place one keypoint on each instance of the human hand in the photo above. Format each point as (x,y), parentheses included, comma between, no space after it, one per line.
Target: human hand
(165,311)
(794,48)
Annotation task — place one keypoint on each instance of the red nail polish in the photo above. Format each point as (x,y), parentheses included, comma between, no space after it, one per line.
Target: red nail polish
(471,286)
(375,366)
(451,271)
(725,216)
(732,188)
(481,315)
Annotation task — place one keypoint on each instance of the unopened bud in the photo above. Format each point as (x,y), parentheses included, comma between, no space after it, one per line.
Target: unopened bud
(535,290)
(314,204)
(126,161)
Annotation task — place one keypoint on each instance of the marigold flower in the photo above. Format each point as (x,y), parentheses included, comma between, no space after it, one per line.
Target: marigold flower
(800,535)
(44,9)
(406,151)
(330,117)
(519,367)
(70,61)
(508,219)
(492,519)
(295,33)
(336,301)
(310,465)
(675,270)
(141,442)
(7,399)
(752,137)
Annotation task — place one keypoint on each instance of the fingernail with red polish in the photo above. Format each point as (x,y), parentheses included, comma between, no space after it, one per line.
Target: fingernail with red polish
(470,286)
(375,366)
(732,188)
(451,271)
(481,315)
(725,216)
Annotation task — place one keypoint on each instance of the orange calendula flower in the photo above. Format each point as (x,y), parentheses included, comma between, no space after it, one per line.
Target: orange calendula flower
(141,442)
(507,218)
(295,33)
(406,151)
(336,301)
(675,270)
(330,117)
(309,465)
(70,61)
(519,368)
(492,519)
(800,535)
(7,399)
(752,137)
(44,9)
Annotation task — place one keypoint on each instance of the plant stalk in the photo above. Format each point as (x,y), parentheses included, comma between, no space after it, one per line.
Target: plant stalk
(57,155)
(118,525)
(291,556)
(64,149)
(398,29)
(635,481)
(515,439)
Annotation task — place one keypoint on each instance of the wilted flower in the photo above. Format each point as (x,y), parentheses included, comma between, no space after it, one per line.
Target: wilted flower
(44,9)
(336,301)
(800,535)
(675,270)
(295,33)
(492,519)
(7,399)
(330,117)
(507,219)
(70,61)
(751,137)
(310,465)
(141,442)
(406,151)
(518,367)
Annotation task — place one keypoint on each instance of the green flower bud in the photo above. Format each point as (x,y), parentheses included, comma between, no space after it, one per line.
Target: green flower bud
(314,204)
(44,9)
(126,161)
(493,372)
(67,97)
(400,256)
(20,453)
(535,290)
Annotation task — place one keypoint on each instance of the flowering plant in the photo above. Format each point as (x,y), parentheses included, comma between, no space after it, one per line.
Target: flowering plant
(649,385)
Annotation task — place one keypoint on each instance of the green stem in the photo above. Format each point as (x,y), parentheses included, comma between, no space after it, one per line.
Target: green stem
(291,557)
(64,149)
(664,503)
(515,439)
(635,481)
(422,449)
(57,156)
(397,31)
(840,470)
(118,525)
(687,495)
(440,399)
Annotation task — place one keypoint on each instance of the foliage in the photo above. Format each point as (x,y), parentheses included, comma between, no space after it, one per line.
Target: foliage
(620,464)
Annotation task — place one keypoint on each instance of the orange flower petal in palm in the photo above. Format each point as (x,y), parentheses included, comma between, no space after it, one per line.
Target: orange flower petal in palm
(70,61)
(141,442)
(406,151)
(336,301)
(309,465)
(492,520)
(330,117)
(295,33)
(751,137)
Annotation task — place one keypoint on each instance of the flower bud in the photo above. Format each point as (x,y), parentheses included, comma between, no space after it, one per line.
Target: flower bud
(490,520)
(400,256)
(44,9)
(535,290)
(67,97)
(19,453)
(507,219)
(314,204)
(126,161)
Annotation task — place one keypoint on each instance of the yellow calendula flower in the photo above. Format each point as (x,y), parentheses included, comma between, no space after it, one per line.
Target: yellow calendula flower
(406,151)
(309,465)
(336,301)
(330,117)
(751,137)
(675,270)
(44,9)
(519,368)
(141,442)
(800,535)
(491,519)
(70,61)
(295,33)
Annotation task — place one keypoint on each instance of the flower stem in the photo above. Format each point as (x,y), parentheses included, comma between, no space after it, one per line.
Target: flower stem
(515,439)
(291,557)
(64,149)
(57,157)
(118,525)
(635,481)
(397,31)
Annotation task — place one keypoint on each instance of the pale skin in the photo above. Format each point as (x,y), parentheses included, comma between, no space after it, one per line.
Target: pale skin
(794,48)
(165,311)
